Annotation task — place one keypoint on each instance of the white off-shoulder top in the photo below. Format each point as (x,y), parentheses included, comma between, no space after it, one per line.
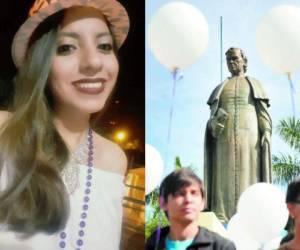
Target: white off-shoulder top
(103,222)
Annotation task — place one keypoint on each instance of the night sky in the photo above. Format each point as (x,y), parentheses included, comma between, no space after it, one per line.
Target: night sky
(127,107)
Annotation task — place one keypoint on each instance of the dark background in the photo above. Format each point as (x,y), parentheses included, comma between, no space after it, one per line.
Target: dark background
(127,107)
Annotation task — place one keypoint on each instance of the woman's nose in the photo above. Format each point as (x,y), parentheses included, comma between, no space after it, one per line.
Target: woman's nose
(90,61)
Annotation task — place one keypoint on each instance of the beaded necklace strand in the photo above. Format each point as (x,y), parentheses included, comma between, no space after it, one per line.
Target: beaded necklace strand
(86,198)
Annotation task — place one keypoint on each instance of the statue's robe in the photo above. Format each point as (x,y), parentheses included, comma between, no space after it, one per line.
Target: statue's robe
(236,159)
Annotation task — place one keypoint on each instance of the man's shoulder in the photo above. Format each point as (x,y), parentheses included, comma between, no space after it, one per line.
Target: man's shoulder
(206,235)
(161,231)
(152,240)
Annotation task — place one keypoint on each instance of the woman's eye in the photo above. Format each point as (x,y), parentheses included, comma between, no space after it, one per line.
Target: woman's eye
(65,49)
(107,47)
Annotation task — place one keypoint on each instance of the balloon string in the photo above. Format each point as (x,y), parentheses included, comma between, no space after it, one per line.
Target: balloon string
(177,75)
(293,92)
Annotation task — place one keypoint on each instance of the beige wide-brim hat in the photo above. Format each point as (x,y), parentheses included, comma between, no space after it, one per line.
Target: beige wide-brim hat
(112,10)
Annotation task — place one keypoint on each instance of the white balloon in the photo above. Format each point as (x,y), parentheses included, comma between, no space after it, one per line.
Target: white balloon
(273,244)
(278,39)
(154,168)
(236,232)
(263,211)
(178,34)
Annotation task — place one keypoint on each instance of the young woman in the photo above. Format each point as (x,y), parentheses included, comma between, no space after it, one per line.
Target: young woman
(61,183)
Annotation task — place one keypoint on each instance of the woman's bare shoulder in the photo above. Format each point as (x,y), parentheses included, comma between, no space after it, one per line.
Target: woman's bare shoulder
(109,156)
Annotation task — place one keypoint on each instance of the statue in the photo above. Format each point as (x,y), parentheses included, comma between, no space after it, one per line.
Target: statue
(237,138)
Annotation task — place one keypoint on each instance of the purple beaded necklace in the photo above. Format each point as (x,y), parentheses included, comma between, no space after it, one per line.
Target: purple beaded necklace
(86,198)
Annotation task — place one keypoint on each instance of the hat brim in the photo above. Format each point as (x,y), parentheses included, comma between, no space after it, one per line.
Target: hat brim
(112,10)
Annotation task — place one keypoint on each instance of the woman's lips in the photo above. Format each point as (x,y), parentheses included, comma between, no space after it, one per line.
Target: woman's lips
(89,86)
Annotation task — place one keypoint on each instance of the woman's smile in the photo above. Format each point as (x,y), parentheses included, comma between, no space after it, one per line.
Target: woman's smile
(91,86)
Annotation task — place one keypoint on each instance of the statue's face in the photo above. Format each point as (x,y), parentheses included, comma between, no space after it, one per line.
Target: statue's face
(235,62)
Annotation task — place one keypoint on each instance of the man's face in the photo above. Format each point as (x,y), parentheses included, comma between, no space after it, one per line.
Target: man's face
(235,62)
(185,205)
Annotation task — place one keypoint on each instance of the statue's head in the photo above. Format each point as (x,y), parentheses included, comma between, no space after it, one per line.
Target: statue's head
(236,61)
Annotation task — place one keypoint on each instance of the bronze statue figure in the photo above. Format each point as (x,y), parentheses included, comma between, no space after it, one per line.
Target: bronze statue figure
(237,138)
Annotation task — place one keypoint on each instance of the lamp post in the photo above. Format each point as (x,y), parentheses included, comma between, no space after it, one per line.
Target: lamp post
(120,136)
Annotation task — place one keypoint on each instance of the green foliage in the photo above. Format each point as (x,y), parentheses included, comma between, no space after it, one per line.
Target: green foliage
(287,167)
(152,199)
(289,131)
(178,164)
(159,220)
(158,216)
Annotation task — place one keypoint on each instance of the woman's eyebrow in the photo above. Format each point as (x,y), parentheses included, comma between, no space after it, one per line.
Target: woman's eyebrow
(101,34)
(69,34)
(77,36)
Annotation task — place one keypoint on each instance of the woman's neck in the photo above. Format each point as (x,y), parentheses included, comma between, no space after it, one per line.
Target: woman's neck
(72,127)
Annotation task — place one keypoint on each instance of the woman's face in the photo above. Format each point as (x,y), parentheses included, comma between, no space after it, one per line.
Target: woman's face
(85,68)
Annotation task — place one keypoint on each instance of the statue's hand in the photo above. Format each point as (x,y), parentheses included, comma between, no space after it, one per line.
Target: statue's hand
(216,128)
(217,122)
(266,138)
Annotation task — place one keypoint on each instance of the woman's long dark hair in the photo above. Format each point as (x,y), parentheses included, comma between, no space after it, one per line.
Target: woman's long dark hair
(32,153)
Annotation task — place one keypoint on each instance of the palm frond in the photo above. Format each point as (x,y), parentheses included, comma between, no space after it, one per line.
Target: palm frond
(289,131)
(285,168)
(178,164)
(152,198)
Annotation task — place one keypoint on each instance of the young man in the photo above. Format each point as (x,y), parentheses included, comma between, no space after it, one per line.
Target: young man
(183,198)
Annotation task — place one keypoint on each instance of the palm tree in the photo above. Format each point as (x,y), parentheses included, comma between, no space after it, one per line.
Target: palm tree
(287,167)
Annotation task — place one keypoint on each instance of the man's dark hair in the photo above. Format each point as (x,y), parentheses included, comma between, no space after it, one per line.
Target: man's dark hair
(293,191)
(243,55)
(178,179)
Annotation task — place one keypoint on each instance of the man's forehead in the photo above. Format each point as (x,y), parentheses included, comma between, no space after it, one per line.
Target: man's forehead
(189,185)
